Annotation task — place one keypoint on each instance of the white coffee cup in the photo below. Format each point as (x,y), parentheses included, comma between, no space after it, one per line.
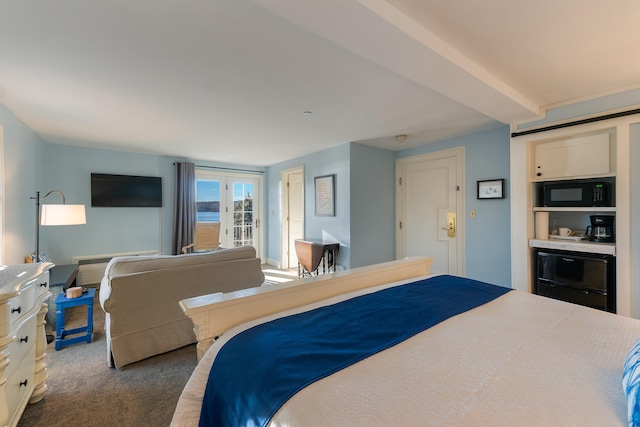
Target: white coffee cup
(564,231)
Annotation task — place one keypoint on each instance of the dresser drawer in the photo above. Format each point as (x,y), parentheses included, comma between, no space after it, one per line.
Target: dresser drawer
(41,284)
(24,339)
(21,304)
(29,293)
(21,383)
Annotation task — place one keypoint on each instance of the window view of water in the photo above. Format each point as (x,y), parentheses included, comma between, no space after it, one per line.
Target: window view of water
(208,217)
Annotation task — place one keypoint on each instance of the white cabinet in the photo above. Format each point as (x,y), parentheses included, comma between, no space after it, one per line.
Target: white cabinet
(23,290)
(575,157)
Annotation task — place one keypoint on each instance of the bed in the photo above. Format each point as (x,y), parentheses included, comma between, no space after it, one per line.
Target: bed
(513,359)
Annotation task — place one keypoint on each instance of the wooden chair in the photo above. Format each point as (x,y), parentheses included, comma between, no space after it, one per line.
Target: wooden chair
(207,238)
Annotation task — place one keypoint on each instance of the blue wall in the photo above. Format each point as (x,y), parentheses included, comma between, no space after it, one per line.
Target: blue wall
(488,237)
(364,221)
(336,228)
(366,226)
(23,173)
(372,205)
(108,230)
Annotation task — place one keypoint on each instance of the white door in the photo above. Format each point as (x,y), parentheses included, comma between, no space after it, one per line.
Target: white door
(430,210)
(296,214)
(292,214)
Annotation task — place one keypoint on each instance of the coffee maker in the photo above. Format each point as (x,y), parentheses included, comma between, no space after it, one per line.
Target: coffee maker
(601,228)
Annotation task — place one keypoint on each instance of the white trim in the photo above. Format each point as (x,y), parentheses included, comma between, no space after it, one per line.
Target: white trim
(590,97)
(544,108)
(514,126)
(284,212)
(273,262)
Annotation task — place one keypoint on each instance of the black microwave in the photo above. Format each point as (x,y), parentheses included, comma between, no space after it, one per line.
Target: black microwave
(578,193)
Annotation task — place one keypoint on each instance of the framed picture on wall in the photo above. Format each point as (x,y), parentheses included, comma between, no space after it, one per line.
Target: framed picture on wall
(325,195)
(491,189)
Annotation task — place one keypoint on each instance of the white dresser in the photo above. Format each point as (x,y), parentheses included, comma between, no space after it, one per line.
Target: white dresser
(23,291)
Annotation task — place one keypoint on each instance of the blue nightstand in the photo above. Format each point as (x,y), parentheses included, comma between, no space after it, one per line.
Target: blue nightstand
(62,303)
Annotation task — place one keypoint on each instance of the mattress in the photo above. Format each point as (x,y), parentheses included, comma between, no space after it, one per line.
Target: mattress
(521,359)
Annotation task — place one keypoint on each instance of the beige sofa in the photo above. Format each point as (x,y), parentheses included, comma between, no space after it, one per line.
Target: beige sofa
(140,296)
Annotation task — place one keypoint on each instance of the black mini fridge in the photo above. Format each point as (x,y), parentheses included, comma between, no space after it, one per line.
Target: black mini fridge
(581,278)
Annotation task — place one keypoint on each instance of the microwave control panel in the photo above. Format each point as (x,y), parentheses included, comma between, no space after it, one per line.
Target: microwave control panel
(599,194)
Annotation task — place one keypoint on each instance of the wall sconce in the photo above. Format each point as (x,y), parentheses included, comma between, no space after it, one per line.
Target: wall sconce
(56,215)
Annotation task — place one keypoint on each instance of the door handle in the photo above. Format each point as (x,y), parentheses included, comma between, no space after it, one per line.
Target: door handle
(451,224)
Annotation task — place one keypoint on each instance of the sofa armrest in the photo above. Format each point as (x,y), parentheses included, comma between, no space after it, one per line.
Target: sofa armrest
(105,292)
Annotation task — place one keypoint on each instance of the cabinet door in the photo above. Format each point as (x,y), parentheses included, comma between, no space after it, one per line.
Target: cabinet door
(575,157)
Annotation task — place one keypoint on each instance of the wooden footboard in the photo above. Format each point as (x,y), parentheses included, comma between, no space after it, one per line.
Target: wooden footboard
(215,313)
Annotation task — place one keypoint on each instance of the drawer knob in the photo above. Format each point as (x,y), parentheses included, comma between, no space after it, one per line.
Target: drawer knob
(43,285)
(13,310)
(25,339)
(24,383)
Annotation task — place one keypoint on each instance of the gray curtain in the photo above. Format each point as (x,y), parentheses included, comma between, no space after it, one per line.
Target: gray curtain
(184,206)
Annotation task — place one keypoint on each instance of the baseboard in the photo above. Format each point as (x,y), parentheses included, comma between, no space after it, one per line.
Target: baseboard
(274,262)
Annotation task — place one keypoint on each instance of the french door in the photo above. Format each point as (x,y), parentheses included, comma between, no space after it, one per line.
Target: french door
(234,201)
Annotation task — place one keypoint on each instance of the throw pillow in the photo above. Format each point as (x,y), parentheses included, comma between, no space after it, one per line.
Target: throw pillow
(631,385)
(42,258)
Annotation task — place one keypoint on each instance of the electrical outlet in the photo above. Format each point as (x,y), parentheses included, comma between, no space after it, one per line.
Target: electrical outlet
(472,213)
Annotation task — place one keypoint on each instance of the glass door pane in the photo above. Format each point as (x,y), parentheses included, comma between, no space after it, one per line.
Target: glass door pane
(243,218)
(208,201)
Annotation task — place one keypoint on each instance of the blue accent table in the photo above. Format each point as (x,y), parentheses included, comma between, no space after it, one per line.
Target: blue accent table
(61,277)
(62,303)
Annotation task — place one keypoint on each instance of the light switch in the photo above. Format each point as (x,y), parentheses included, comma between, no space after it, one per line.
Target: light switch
(472,213)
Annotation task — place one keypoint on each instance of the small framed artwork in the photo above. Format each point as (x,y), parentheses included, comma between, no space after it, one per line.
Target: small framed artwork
(325,195)
(491,189)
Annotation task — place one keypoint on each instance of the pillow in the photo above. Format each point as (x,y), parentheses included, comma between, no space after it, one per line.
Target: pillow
(42,258)
(631,385)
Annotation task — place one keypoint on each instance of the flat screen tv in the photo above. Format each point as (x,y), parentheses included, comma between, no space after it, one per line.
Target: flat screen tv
(125,191)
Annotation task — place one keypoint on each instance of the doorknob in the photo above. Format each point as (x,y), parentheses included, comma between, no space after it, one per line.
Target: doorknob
(451,224)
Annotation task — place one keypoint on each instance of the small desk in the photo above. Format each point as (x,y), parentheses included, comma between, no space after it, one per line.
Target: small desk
(312,253)
(62,303)
(61,277)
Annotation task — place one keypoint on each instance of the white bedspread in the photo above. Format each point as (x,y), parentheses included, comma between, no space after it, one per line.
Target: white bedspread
(520,360)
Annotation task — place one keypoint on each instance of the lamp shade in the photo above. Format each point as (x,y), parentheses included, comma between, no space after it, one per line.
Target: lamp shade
(62,215)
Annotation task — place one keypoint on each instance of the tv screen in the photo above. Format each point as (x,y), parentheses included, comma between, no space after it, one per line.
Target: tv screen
(125,191)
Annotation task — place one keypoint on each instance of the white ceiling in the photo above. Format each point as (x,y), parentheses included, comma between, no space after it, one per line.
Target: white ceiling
(229,80)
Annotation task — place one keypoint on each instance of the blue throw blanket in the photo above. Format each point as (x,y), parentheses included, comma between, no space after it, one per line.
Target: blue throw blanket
(258,370)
